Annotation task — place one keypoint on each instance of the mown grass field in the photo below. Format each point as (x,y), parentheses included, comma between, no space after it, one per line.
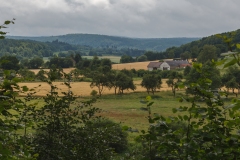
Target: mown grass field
(128,110)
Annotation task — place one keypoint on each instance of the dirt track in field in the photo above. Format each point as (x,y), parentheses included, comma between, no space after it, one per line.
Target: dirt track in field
(81,88)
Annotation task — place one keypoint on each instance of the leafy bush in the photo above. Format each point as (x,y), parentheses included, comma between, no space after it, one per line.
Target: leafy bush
(93,93)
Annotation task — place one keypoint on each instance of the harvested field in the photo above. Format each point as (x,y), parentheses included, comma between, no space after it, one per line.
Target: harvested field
(129,66)
(66,70)
(81,88)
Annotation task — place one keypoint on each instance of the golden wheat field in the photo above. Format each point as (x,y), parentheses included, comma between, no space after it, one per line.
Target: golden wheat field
(66,70)
(81,88)
(129,66)
(120,66)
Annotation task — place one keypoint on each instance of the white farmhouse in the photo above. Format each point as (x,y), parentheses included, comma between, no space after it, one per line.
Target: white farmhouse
(158,66)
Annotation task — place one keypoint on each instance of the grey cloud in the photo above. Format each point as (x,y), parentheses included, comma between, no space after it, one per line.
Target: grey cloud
(132,18)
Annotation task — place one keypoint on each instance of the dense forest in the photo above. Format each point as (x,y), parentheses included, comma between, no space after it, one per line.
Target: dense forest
(27,48)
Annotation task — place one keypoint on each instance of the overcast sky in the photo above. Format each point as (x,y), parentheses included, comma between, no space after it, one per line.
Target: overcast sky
(128,18)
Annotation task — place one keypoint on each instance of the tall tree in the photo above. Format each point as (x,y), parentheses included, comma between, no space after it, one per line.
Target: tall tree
(124,82)
(99,80)
(173,79)
(208,52)
(120,81)
(151,82)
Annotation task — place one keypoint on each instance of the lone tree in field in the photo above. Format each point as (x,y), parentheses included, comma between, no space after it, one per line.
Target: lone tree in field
(99,80)
(151,82)
(124,82)
(173,79)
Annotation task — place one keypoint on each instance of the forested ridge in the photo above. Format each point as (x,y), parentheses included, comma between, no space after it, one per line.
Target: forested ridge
(105,41)
(98,45)
(195,49)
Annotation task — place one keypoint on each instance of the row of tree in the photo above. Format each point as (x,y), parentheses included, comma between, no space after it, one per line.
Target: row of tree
(101,74)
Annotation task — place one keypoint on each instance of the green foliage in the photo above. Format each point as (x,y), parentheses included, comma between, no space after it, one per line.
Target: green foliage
(121,81)
(187,70)
(207,71)
(208,53)
(151,82)
(174,78)
(3,34)
(35,63)
(61,62)
(93,93)
(210,129)
(185,55)
(142,58)
(114,135)
(99,80)
(231,39)
(9,63)
(126,59)
(68,129)
(12,118)
(26,74)
(231,79)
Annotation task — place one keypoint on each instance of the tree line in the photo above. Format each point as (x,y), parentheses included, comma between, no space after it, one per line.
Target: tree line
(99,72)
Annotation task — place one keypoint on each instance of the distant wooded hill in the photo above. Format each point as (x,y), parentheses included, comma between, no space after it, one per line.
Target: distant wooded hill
(87,44)
(195,48)
(104,41)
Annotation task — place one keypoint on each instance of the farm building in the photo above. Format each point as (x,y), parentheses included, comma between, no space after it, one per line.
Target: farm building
(158,66)
(168,65)
(178,64)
